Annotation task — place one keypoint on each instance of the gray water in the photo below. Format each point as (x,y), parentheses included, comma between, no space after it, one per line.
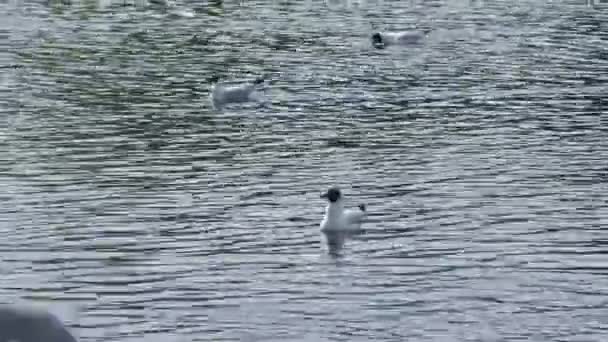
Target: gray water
(137,213)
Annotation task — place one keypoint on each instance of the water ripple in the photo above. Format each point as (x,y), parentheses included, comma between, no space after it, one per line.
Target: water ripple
(479,153)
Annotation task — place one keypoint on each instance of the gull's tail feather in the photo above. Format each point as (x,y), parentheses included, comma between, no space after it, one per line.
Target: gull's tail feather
(214,79)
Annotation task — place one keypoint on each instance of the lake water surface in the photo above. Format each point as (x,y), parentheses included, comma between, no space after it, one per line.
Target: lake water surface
(138,213)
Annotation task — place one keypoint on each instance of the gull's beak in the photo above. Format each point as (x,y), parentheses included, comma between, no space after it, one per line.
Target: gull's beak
(324,195)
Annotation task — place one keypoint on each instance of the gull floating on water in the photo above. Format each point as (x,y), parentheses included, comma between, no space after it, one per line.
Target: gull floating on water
(337,218)
(27,324)
(383,39)
(222,95)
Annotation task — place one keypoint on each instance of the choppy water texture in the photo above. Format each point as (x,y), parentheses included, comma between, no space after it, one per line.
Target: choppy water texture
(140,214)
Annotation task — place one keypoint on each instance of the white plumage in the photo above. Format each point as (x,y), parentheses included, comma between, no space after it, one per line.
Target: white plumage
(222,95)
(383,39)
(337,218)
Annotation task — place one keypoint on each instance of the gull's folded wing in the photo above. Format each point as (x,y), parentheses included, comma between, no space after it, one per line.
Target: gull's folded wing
(354,216)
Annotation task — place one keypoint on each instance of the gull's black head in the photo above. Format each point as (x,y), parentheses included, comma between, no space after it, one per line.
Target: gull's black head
(258,80)
(333,194)
(377,40)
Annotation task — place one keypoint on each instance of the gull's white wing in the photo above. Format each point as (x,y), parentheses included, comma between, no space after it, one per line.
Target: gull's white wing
(237,94)
(256,96)
(409,37)
(354,216)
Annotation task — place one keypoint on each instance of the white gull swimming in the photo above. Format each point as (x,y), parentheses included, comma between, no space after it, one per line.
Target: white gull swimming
(338,218)
(222,95)
(383,39)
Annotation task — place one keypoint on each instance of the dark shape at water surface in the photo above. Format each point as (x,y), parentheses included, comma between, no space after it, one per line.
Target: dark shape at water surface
(27,324)
(336,239)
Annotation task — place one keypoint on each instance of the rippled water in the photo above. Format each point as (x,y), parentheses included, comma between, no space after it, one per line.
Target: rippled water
(140,214)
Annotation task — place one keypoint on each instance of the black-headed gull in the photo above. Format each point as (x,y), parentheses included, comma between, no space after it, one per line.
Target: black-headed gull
(337,218)
(222,95)
(383,39)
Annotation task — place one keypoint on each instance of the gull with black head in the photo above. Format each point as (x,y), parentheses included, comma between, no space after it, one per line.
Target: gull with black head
(337,217)
(380,40)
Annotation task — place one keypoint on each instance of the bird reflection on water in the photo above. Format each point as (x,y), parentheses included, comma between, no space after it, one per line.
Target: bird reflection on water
(336,240)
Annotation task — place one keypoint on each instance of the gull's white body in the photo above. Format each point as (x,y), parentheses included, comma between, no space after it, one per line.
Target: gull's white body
(222,95)
(401,38)
(337,218)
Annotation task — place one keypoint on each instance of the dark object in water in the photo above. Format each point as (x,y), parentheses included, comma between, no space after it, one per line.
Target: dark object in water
(27,324)
(377,40)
